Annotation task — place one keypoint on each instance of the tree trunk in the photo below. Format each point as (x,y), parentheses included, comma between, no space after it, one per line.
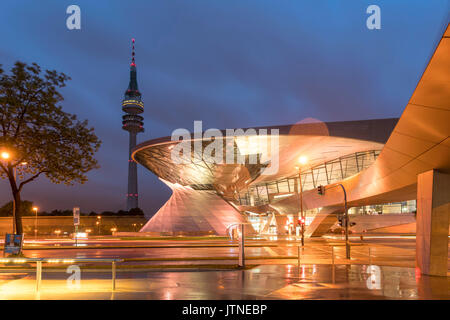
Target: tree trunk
(16,196)
(17,213)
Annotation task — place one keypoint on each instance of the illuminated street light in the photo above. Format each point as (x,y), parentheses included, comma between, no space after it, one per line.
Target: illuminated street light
(5,155)
(98,225)
(303,160)
(35,209)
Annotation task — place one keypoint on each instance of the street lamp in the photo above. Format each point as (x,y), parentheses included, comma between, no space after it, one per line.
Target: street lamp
(99,219)
(35,209)
(6,155)
(302,160)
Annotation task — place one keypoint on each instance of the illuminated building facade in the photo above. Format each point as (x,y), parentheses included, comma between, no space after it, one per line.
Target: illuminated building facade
(336,151)
(378,162)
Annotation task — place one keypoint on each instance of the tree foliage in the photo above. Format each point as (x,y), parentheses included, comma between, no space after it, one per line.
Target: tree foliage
(34,129)
(26,209)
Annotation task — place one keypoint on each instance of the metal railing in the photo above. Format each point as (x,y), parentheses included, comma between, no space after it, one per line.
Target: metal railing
(39,262)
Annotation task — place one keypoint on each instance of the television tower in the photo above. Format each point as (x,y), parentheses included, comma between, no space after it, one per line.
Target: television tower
(132,122)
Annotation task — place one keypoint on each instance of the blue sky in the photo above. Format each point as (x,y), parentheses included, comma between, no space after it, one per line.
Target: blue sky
(232,64)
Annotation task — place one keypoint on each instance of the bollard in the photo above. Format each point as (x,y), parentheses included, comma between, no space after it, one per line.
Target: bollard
(333,271)
(332,256)
(298,255)
(333,274)
(241,248)
(38,275)
(113,275)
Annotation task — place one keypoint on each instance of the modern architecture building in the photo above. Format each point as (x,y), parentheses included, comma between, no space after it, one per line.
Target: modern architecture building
(378,162)
(132,122)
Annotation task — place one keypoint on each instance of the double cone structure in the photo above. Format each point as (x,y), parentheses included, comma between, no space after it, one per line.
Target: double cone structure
(194,212)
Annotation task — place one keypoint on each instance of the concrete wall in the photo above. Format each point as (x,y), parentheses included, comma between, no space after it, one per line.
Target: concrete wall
(48,225)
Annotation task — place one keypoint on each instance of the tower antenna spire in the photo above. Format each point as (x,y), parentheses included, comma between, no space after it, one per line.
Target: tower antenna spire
(133,63)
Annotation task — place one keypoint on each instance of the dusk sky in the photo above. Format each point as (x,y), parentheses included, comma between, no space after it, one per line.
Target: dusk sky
(231,64)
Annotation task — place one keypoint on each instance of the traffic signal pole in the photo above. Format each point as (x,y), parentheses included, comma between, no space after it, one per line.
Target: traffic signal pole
(321,191)
(347,244)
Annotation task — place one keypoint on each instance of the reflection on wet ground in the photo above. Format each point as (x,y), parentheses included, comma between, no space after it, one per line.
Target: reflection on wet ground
(262,282)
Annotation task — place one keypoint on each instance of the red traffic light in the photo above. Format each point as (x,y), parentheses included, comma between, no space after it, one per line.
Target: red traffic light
(321,190)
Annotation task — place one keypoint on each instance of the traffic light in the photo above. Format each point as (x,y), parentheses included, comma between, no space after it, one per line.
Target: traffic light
(341,220)
(321,190)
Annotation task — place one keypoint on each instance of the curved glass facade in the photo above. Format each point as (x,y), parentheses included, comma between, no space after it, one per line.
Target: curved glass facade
(327,173)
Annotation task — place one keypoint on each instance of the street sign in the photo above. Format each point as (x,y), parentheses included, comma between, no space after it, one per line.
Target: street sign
(13,243)
(76,216)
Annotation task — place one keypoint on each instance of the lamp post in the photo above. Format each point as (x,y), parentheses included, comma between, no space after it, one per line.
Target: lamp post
(99,218)
(35,209)
(302,160)
(14,200)
(6,155)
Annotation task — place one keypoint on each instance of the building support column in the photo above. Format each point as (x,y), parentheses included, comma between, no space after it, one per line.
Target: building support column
(432,222)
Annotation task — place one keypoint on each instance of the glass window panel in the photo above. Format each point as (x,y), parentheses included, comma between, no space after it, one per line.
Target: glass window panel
(283,186)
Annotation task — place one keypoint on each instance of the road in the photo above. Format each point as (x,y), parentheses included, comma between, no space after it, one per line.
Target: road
(200,270)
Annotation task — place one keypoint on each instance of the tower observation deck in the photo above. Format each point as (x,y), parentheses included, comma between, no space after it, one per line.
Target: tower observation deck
(132,122)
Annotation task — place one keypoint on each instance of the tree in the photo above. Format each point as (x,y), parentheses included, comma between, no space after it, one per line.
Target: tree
(136,212)
(25,209)
(35,130)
